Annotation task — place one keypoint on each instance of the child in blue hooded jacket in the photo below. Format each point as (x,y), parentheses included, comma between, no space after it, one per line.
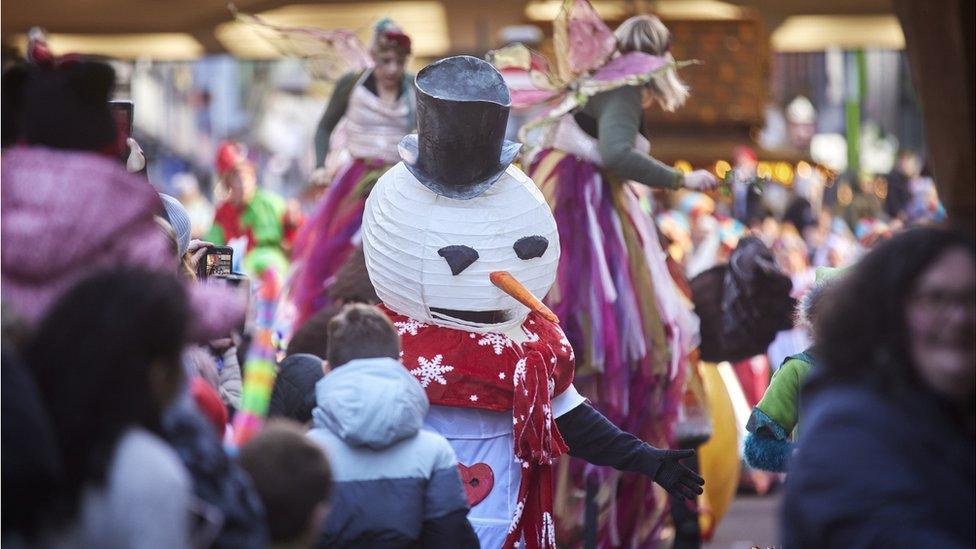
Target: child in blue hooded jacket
(396,484)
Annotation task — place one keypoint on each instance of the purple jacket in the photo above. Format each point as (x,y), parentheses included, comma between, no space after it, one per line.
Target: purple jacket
(65,214)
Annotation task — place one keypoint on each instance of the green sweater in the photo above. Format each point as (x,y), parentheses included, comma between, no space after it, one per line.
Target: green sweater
(781,402)
(618,114)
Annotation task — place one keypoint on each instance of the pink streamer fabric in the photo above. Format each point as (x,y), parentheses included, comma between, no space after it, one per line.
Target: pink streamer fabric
(327,238)
(597,298)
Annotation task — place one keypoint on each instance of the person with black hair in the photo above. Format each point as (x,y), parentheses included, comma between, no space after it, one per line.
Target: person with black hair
(907,167)
(293,394)
(31,463)
(61,146)
(107,362)
(887,456)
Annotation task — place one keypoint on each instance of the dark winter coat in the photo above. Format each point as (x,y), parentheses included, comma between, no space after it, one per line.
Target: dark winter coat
(217,481)
(396,484)
(871,471)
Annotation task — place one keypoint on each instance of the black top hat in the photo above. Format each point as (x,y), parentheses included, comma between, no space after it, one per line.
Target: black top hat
(459,149)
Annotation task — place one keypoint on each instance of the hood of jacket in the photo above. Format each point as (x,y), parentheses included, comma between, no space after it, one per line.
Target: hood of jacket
(62,207)
(372,402)
(65,214)
(293,394)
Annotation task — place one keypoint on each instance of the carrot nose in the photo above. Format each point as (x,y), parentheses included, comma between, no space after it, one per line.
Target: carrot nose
(508,284)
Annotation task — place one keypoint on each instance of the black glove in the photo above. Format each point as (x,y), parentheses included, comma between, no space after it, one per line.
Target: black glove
(592,437)
(677,479)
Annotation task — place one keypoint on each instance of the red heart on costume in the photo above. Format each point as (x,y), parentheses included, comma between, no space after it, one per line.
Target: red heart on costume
(478,481)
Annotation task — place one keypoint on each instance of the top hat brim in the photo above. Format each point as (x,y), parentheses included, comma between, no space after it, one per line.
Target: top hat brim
(410,152)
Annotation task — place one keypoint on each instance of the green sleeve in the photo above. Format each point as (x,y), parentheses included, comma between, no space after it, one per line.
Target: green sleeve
(782,398)
(216,235)
(619,113)
(264,216)
(333,114)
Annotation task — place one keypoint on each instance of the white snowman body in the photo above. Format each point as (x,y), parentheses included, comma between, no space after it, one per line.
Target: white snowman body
(405,225)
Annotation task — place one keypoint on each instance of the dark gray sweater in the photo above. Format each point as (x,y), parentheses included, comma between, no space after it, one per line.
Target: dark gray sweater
(617,115)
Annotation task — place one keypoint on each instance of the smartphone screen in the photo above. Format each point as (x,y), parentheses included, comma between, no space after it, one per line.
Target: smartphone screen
(219,260)
(122,115)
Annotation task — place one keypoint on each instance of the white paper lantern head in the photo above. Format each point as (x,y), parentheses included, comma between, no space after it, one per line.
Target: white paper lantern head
(430,257)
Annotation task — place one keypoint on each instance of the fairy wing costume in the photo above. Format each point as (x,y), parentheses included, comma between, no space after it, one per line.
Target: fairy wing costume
(356,141)
(619,307)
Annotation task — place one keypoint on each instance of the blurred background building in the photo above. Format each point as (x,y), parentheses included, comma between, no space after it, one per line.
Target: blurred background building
(823,86)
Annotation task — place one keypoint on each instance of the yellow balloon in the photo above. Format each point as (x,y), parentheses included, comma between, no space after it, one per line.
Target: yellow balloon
(719,457)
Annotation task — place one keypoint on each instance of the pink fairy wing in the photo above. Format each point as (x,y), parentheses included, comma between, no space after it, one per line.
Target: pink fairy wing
(582,40)
(528,98)
(526,73)
(328,54)
(630,69)
(632,64)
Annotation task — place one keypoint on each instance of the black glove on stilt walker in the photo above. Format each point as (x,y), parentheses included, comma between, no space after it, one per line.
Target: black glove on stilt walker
(592,437)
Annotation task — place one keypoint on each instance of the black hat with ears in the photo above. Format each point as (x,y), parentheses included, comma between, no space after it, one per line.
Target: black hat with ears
(66,107)
(460,149)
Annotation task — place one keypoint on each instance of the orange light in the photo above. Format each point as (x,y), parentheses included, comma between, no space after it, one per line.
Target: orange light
(721,168)
(803,169)
(845,195)
(683,166)
(764,170)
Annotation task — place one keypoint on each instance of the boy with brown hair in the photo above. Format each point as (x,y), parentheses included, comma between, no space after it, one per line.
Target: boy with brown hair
(397,484)
(293,479)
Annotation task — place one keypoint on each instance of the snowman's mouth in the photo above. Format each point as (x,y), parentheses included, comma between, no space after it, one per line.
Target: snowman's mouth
(478,317)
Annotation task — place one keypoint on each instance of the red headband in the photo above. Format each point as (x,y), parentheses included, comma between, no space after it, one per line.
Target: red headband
(394,39)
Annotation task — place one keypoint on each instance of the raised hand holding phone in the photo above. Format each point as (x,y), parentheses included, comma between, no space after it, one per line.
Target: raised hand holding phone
(136,161)
(215,260)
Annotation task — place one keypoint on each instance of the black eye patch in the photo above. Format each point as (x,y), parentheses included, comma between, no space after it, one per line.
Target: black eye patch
(458,258)
(529,247)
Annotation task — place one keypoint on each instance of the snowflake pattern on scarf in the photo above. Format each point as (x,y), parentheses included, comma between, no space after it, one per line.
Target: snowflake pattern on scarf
(498,342)
(431,370)
(409,326)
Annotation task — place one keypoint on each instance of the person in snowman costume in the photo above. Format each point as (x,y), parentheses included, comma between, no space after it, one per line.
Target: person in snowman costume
(460,245)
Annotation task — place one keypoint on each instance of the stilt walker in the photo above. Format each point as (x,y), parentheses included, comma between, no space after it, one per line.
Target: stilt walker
(621,311)
(374,109)
(371,110)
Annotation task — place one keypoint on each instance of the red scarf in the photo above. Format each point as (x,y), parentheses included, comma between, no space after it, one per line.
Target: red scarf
(492,372)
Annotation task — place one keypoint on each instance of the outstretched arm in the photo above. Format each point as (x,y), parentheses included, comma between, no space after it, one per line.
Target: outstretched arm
(619,113)
(592,437)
